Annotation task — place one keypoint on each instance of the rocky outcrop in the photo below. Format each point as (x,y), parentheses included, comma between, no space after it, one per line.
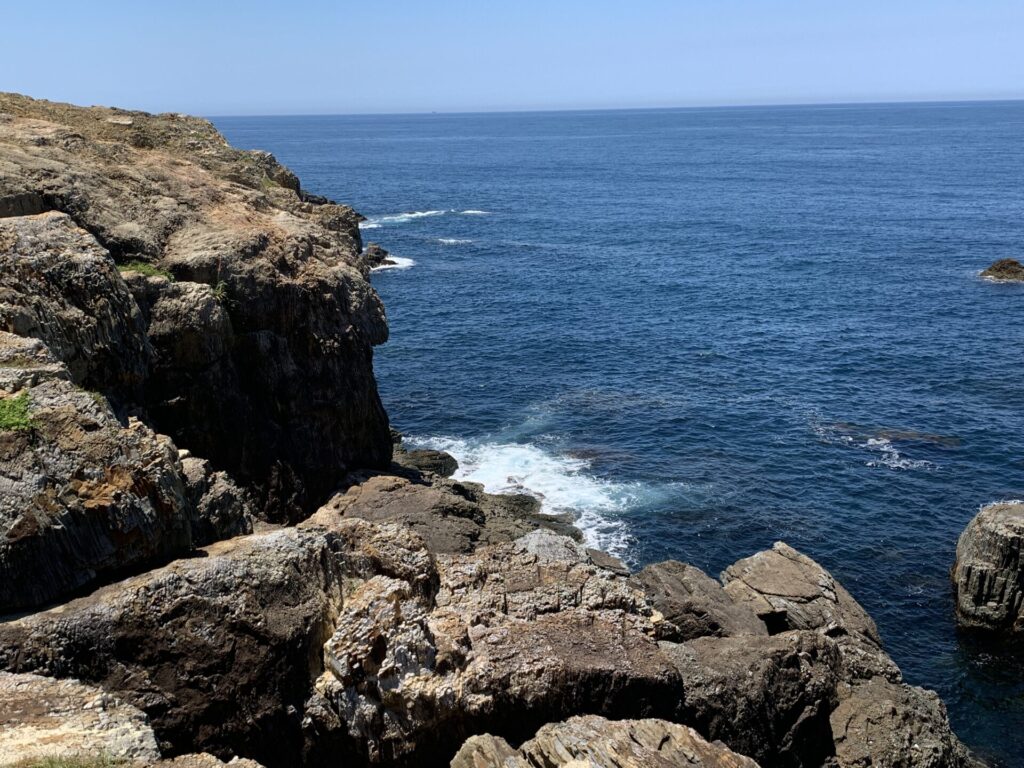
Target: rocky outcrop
(83,496)
(373,257)
(693,604)
(1005,269)
(246,333)
(218,650)
(450,516)
(599,743)
(41,717)
(988,575)
(426,461)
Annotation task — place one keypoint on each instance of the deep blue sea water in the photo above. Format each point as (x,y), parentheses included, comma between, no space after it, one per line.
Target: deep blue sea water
(704,330)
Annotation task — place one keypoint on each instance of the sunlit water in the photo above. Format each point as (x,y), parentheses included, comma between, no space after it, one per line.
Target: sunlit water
(706,330)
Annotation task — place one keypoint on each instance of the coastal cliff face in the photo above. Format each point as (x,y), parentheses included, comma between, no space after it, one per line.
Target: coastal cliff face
(241,326)
(209,549)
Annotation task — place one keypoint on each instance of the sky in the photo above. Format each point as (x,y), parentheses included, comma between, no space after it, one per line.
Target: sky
(222,57)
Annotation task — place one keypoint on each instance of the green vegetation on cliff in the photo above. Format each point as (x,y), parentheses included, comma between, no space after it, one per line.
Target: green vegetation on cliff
(14,413)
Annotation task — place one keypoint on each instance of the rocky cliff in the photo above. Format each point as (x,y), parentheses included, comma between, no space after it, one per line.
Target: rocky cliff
(208,553)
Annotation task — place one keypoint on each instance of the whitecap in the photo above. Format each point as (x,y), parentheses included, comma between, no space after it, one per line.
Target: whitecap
(561,483)
(397,218)
(400,262)
(453,241)
(472,212)
(886,453)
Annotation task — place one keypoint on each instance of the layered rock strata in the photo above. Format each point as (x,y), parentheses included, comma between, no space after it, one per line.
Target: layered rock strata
(988,575)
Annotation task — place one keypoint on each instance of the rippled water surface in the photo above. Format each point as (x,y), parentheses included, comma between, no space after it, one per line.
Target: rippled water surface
(706,330)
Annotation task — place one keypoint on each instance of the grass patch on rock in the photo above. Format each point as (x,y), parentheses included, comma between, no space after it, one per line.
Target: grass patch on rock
(145,268)
(14,413)
(70,761)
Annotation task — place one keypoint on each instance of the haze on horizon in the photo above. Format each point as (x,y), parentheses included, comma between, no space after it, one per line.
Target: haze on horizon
(321,57)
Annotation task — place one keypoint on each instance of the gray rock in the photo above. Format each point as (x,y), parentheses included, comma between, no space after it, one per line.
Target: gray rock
(41,717)
(425,460)
(693,604)
(599,743)
(988,575)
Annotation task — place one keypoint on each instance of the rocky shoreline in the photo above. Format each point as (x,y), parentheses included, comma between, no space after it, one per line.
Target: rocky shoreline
(215,549)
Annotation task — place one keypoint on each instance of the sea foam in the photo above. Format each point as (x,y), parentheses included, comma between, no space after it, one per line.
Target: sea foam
(400,263)
(561,483)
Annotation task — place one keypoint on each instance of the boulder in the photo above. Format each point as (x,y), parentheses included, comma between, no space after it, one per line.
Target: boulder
(1005,269)
(219,650)
(988,575)
(693,604)
(599,743)
(766,697)
(426,460)
(41,717)
(898,726)
(450,516)
(788,590)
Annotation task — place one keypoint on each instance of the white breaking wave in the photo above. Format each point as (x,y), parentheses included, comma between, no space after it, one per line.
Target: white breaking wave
(398,218)
(376,222)
(888,455)
(561,483)
(400,263)
(453,241)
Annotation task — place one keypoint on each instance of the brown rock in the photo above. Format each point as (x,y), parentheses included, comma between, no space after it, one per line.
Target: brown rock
(788,590)
(988,575)
(266,369)
(897,726)
(595,742)
(693,604)
(1005,269)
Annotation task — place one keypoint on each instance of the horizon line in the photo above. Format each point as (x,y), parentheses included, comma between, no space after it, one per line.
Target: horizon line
(525,110)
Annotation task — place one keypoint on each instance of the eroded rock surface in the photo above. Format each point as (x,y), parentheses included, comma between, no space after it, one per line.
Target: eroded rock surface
(988,576)
(693,604)
(42,717)
(595,742)
(84,496)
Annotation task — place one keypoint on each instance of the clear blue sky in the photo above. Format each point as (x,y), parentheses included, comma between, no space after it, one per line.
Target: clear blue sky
(222,57)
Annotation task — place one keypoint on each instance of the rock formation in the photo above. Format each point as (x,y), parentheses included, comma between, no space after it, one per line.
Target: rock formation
(1005,269)
(988,576)
(244,329)
(599,743)
(198,501)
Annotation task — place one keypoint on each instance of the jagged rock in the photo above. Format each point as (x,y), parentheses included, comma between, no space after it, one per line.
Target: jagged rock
(693,604)
(512,640)
(204,760)
(41,717)
(988,575)
(791,591)
(450,516)
(287,403)
(426,460)
(766,697)
(897,726)
(788,590)
(374,256)
(81,495)
(58,285)
(1005,269)
(222,509)
(218,650)
(594,742)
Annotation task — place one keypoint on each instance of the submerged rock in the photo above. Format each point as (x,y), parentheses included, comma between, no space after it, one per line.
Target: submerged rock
(599,743)
(374,256)
(1005,269)
(988,575)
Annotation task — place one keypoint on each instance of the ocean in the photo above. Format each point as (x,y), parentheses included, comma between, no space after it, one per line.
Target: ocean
(705,330)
